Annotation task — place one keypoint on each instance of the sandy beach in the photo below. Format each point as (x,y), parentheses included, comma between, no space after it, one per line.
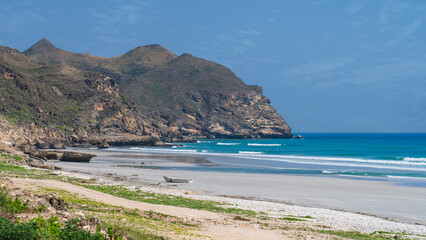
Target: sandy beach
(345,204)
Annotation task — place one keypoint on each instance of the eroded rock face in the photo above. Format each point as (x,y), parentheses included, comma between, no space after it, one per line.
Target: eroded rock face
(245,114)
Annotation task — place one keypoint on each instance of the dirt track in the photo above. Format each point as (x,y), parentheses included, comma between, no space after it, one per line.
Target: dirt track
(214,225)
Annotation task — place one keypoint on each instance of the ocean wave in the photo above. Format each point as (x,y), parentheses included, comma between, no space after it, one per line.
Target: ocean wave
(264,145)
(390,158)
(328,172)
(412,159)
(228,144)
(198,141)
(204,151)
(249,152)
(135,148)
(358,160)
(334,163)
(407,178)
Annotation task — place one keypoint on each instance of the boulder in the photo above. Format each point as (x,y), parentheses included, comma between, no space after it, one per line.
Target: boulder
(57,203)
(57,145)
(76,157)
(40,144)
(104,144)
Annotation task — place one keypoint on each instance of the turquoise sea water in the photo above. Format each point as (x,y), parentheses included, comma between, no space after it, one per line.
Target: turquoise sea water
(391,157)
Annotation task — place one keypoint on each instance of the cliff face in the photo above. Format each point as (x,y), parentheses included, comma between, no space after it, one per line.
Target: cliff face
(147,91)
(193,96)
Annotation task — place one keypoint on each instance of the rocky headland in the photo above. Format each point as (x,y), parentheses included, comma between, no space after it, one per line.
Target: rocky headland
(52,98)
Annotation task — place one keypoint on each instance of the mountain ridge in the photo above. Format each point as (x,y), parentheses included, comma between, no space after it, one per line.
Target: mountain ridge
(167,96)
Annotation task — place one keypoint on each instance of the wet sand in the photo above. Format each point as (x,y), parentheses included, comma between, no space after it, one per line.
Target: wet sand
(383,199)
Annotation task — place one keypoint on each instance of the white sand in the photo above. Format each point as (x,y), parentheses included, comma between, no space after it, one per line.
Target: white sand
(313,196)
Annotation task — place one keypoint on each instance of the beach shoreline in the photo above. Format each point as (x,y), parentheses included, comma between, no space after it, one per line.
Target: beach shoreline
(358,205)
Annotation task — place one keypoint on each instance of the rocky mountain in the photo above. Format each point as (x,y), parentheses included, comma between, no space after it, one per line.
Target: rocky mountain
(52,97)
(57,104)
(182,95)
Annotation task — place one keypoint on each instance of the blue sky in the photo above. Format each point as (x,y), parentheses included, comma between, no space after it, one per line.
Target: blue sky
(327,66)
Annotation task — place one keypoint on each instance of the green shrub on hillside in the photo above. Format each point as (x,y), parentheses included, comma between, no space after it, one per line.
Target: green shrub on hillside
(40,228)
(11,206)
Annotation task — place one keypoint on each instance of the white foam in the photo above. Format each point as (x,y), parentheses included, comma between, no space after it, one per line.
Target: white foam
(358,160)
(228,144)
(407,178)
(344,164)
(411,159)
(264,145)
(315,160)
(204,151)
(249,152)
(327,172)
(135,148)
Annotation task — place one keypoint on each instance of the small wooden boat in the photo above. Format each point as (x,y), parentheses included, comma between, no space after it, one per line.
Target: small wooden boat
(177,180)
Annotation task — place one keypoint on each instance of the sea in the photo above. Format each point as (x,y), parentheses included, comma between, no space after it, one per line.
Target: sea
(394,157)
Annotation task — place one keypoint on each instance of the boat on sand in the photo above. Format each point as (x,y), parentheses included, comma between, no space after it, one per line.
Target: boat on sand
(177,180)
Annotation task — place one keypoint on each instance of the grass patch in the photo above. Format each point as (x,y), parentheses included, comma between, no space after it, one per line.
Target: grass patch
(10,170)
(292,219)
(6,156)
(7,204)
(362,236)
(170,200)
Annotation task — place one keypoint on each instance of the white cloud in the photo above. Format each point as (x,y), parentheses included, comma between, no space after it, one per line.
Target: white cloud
(248,43)
(314,68)
(278,11)
(249,32)
(394,73)
(123,14)
(224,38)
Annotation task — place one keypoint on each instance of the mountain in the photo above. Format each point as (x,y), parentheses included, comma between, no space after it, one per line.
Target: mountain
(60,103)
(199,97)
(46,53)
(177,96)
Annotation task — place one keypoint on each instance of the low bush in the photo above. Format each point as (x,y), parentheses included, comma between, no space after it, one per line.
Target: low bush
(11,206)
(40,228)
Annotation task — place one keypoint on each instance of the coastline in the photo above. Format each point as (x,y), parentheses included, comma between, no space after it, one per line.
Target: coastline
(358,204)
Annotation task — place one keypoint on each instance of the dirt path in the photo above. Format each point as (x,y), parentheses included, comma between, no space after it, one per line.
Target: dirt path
(214,225)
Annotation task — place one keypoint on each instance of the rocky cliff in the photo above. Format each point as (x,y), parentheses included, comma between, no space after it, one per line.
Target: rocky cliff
(52,97)
(180,95)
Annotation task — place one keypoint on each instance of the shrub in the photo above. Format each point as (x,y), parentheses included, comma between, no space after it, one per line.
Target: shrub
(40,228)
(11,206)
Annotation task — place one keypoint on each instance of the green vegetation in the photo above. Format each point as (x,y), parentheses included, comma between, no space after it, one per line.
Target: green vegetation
(8,205)
(40,228)
(50,95)
(10,170)
(137,224)
(164,199)
(296,218)
(7,169)
(292,219)
(5,156)
(362,236)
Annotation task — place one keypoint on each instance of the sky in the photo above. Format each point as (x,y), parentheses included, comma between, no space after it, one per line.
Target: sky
(326,65)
